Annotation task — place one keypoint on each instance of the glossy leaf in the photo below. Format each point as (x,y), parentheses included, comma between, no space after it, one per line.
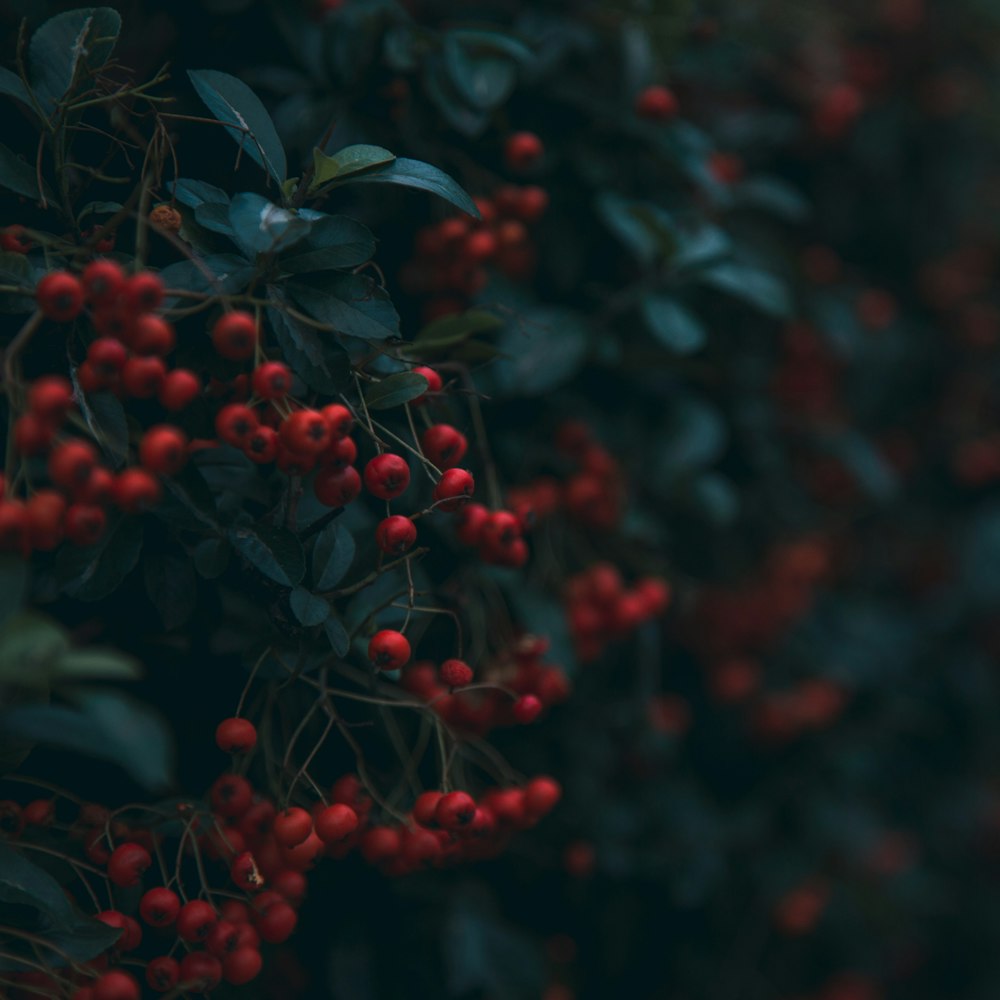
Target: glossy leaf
(420,175)
(19,176)
(309,608)
(395,390)
(351,303)
(275,552)
(91,573)
(332,556)
(672,325)
(262,226)
(350,160)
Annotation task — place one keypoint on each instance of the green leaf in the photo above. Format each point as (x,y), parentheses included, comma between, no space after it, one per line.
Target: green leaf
(482,66)
(29,645)
(395,390)
(752,285)
(544,348)
(15,270)
(211,557)
(673,325)
(13,585)
(772,195)
(92,572)
(446,331)
(194,193)
(106,420)
(420,175)
(308,608)
(13,86)
(98,208)
(19,175)
(95,664)
(314,356)
(105,724)
(646,236)
(334,241)
(214,216)
(171,587)
(340,641)
(332,556)
(350,160)
(262,226)
(65,45)
(351,303)
(223,272)
(277,553)
(233,102)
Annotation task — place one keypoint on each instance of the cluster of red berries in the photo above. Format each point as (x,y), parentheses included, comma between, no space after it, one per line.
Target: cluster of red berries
(601,609)
(450,257)
(514,688)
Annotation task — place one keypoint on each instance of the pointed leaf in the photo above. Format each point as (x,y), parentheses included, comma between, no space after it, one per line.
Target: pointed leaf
(332,556)
(349,160)
(19,175)
(673,325)
(351,303)
(308,608)
(277,553)
(340,641)
(194,193)
(395,390)
(420,175)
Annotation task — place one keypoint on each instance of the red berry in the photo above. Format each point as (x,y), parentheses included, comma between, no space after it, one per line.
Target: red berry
(292,826)
(338,418)
(453,489)
(15,239)
(338,454)
(388,650)
(387,476)
(60,296)
(143,292)
(15,527)
(236,735)
(434,383)
(107,356)
(71,464)
(522,151)
(241,966)
(135,490)
(85,523)
(159,907)
(444,445)
(40,812)
(272,380)
(656,104)
(455,810)
(261,445)
(480,246)
(541,795)
(46,513)
(305,432)
(103,281)
(527,708)
(335,822)
(163,450)
(116,985)
(425,807)
(33,435)
(152,335)
(51,398)
(380,844)
(11,818)
(395,534)
(469,523)
(196,920)
(277,922)
(234,336)
(179,389)
(127,864)
(223,939)
(234,424)
(143,378)
(231,795)
(163,973)
(532,203)
(337,487)
(202,971)
(291,884)
(131,933)
(456,673)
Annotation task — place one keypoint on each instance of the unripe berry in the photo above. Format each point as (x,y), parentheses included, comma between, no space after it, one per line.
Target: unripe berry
(236,735)
(387,476)
(388,650)
(395,534)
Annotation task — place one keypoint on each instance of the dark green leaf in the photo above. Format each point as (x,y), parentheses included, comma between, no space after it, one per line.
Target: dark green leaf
(95,664)
(233,102)
(416,174)
(214,216)
(350,160)
(19,175)
(340,641)
(544,349)
(447,331)
(277,553)
(673,325)
(754,286)
(332,556)
(314,356)
(105,724)
(308,608)
(171,586)
(13,86)
(262,226)
(351,303)
(13,585)
(65,42)
(98,208)
(482,66)
(211,557)
(194,193)
(105,417)
(395,390)
(224,272)
(334,241)
(29,645)
(91,573)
